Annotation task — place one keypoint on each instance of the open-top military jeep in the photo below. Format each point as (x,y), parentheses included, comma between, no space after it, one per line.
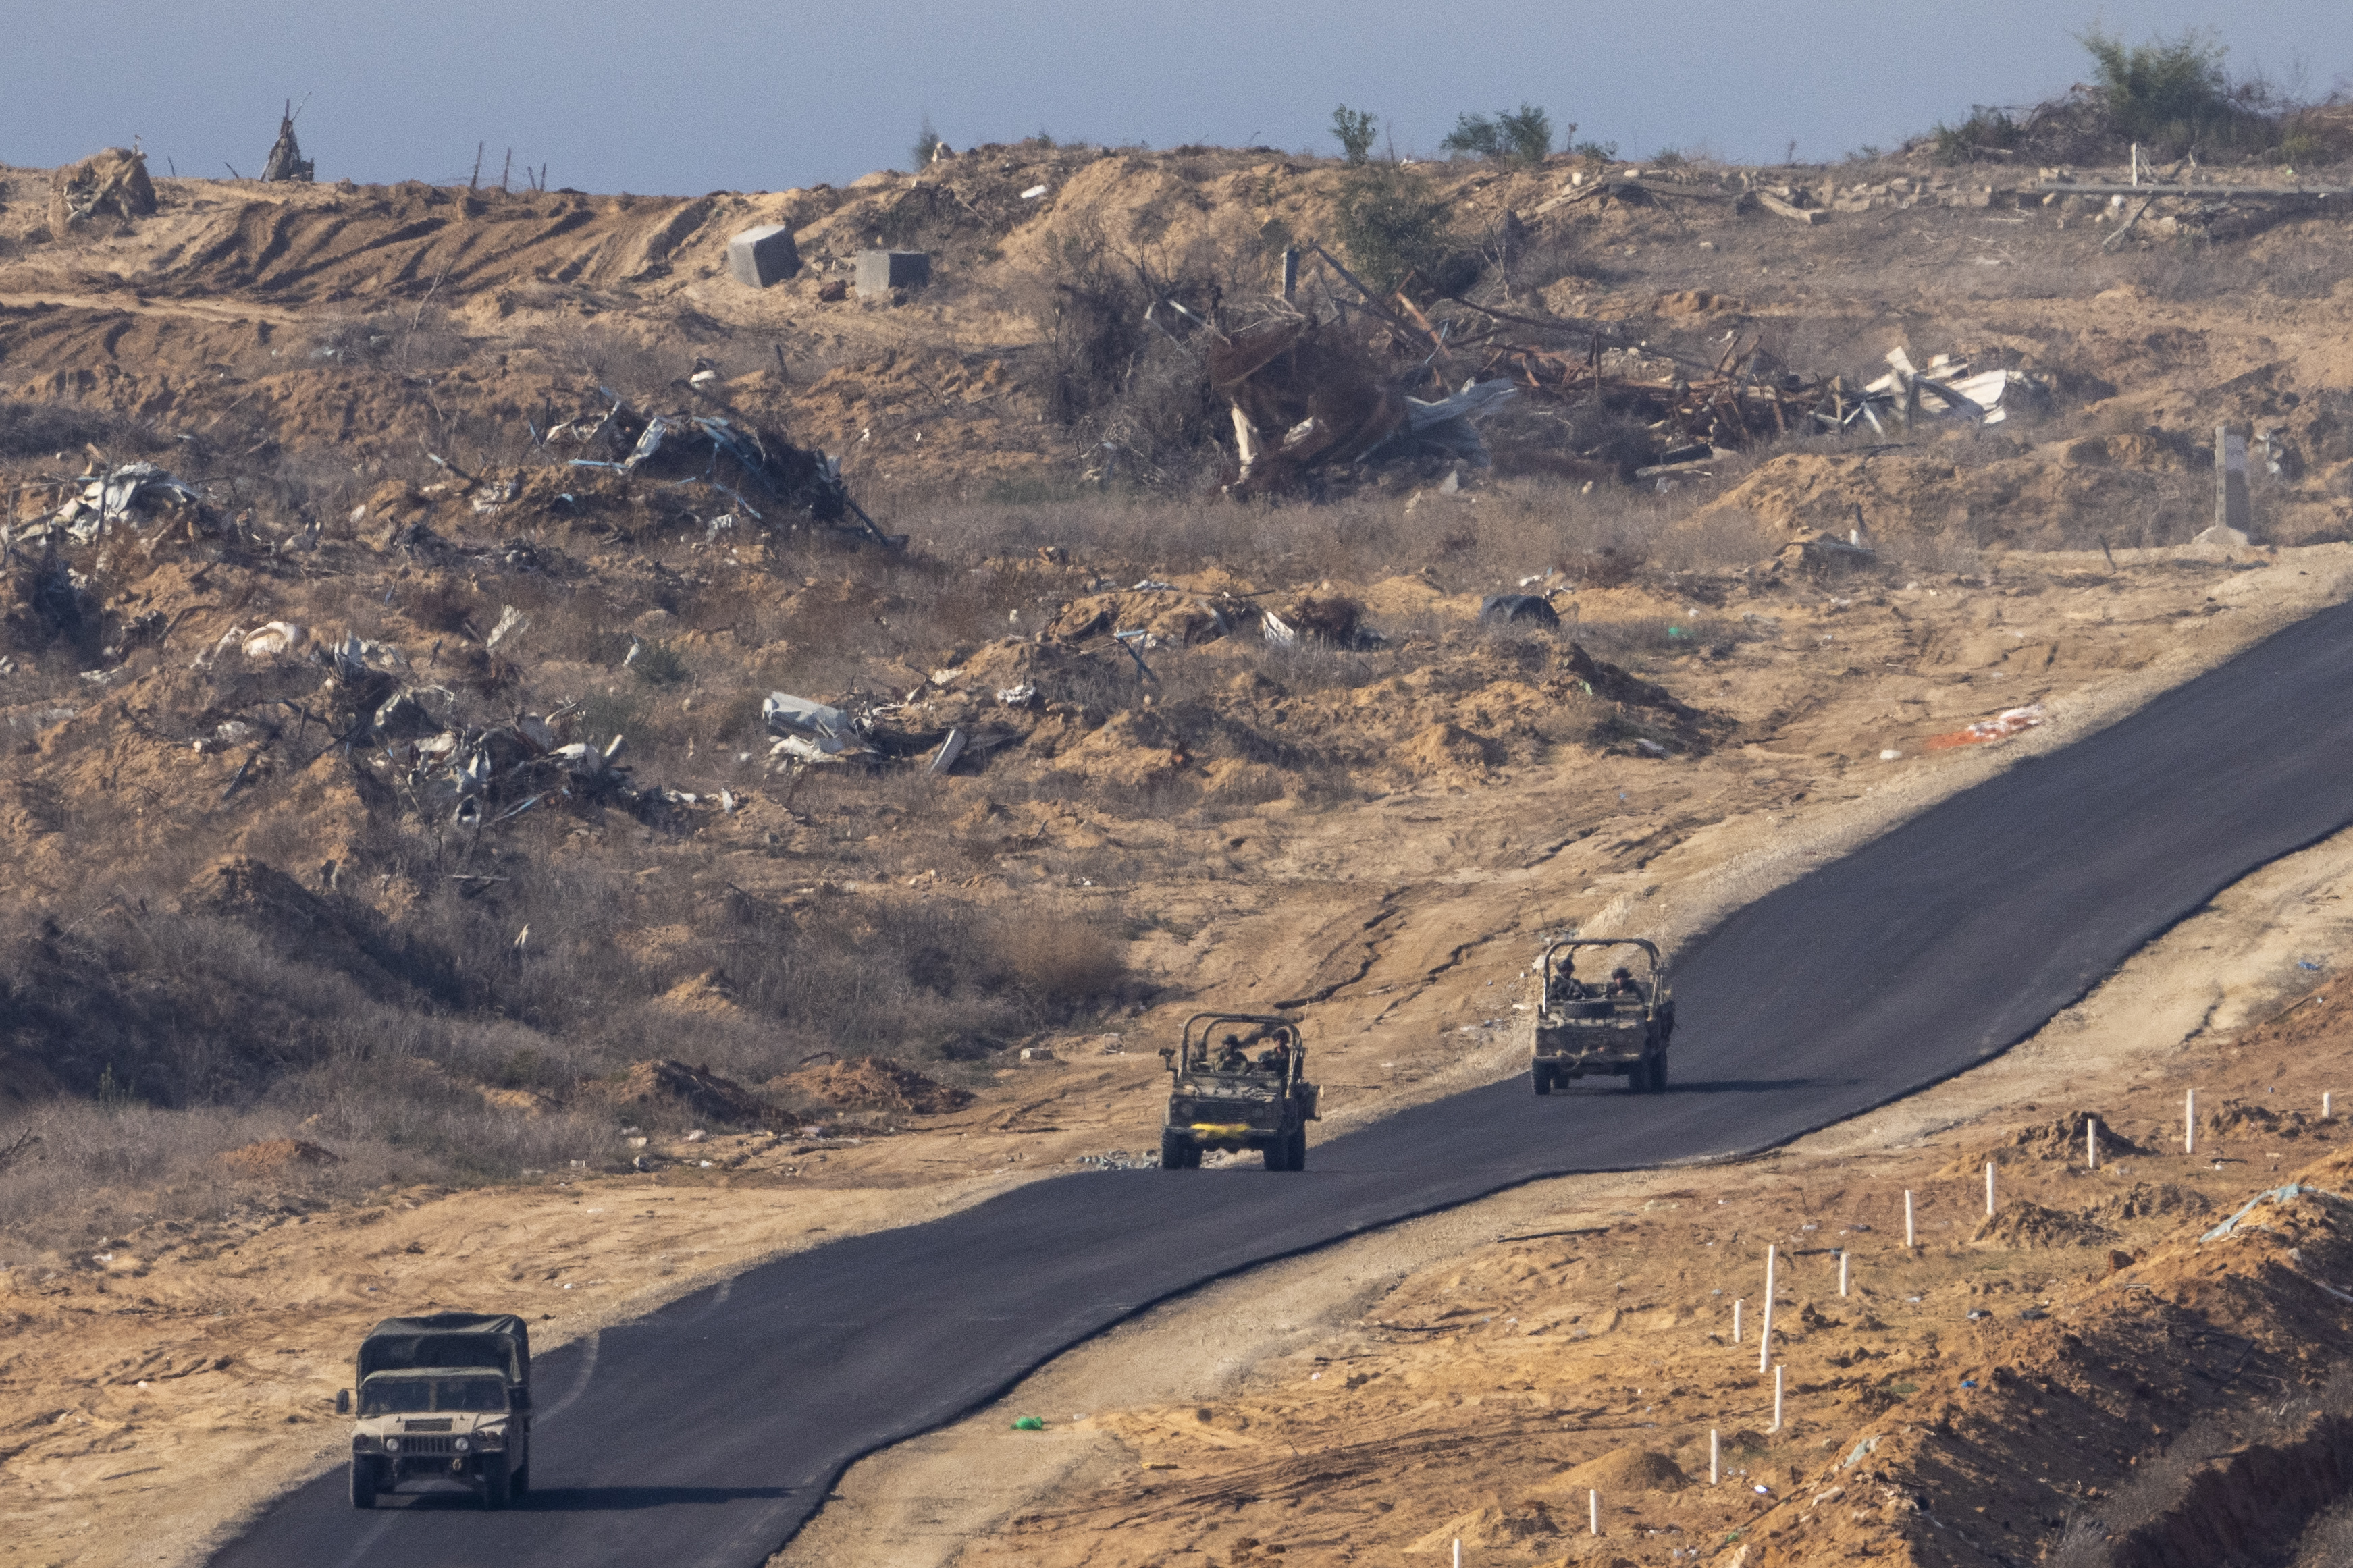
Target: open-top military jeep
(1614,1025)
(1245,1089)
(446,1397)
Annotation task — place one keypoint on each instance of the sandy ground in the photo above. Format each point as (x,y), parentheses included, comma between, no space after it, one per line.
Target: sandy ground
(1407,965)
(1161,1435)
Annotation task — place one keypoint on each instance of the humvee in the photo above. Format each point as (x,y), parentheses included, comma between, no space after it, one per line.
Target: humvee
(446,1397)
(1580,1030)
(1221,1097)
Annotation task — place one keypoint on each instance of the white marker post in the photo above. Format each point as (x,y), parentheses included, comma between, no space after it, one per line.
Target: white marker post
(1842,1270)
(1714,1457)
(1764,1329)
(1593,1511)
(2190,1122)
(2091,1143)
(1908,1242)
(1457,1551)
(1735,1321)
(1989,1189)
(1776,1399)
(2324,1105)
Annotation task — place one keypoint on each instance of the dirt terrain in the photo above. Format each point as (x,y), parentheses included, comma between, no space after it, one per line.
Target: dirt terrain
(2083,1361)
(251,917)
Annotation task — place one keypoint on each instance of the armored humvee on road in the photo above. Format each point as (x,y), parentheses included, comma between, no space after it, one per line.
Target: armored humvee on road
(446,1397)
(1582,1029)
(1221,1096)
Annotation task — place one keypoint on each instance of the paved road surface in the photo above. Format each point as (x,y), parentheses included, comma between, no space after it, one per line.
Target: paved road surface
(706,1432)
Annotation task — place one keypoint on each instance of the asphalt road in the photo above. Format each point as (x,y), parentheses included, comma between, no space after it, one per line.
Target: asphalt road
(706,1432)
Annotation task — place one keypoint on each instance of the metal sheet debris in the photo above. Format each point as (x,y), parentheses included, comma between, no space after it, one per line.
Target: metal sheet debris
(727,457)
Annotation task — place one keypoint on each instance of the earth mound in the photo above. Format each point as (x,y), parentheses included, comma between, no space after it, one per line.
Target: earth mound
(1619,1472)
(876,1083)
(2026,1225)
(662,1084)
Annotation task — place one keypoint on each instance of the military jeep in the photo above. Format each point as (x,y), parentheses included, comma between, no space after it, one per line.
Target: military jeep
(446,1397)
(1582,1029)
(1221,1096)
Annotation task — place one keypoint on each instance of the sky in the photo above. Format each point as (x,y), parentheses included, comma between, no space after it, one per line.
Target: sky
(731,95)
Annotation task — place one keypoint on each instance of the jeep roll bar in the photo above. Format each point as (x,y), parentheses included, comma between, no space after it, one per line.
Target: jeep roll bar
(1273,1027)
(1569,944)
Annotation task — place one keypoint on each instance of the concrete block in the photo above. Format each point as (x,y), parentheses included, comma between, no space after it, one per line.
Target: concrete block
(880,272)
(762,256)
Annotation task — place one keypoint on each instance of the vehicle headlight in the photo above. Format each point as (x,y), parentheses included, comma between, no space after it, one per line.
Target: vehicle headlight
(462,1446)
(392,1445)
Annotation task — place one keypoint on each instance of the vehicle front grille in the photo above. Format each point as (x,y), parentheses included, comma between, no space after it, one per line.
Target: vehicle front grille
(412,1446)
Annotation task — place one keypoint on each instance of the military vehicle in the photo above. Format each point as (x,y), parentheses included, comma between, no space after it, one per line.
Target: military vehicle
(1583,1029)
(446,1397)
(1221,1096)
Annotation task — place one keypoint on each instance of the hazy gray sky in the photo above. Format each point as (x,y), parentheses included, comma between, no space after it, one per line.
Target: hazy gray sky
(731,95)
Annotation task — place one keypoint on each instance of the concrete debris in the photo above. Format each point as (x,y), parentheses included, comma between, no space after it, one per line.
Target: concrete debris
(826,731)
(696,448)
(1277,630)
(1946,390)
(286,161)
(1017,695)
(118,495)
(511,623)
(881,271)
(950,750)
(272,639)
(110,184)
(759,257)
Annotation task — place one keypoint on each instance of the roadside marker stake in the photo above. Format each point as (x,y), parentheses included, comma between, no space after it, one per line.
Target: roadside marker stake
(1593,1511)
(2091,1143)
(1735,1321)
(2190,1122)
(1908,1242)
(1764,1329)
(1714,1457)
(1457,1551)
(2323,1105)
(1989,1189)
(1776,1399)
(1842,1270)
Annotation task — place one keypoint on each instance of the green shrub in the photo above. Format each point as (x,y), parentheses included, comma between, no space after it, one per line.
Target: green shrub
(1353,129)
(1390,225)
(1521,135)
(2171,94)
(1985,129)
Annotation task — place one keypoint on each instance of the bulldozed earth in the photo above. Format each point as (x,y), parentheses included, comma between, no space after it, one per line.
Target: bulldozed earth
(417,880)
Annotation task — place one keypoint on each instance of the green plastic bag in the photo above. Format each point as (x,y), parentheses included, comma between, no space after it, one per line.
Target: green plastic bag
(1030,1423)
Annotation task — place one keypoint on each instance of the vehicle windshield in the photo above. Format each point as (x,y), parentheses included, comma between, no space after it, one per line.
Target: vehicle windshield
(417,1396)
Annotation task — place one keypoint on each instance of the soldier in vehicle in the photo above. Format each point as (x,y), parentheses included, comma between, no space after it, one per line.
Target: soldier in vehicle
(1565,986)
(1231,1057)
(1623,984)
(1275,1059)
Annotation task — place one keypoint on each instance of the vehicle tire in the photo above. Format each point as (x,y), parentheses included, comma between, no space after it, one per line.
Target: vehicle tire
(1543,1077)
(1299,1150)
(1277,1154)
(498,1486)
(364,1482)
(520,1482)
(1659,1073)
(1177,1152)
